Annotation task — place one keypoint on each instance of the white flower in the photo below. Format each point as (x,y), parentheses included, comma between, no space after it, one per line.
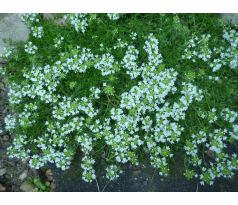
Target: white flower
(29,18)
(112,172)
(37,32)
(78,21)
(30,48)
(113,16)
(229,115)
(106,64)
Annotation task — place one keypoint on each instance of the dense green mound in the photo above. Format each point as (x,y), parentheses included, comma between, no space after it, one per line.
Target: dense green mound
(121,88)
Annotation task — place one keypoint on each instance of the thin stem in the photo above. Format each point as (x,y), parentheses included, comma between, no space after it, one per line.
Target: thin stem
(97,185)
(105,186)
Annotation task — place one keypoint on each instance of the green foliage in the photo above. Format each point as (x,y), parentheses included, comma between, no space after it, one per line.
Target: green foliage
(40,185)
(112,36)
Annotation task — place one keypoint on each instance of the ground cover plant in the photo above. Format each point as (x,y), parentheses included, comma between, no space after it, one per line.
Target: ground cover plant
(124,88)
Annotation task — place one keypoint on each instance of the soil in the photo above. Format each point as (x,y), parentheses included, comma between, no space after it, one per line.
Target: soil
(141,178)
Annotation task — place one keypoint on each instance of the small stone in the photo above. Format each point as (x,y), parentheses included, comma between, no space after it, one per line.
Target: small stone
(48,16)
(49,174)
(52,186)
(145,183)
(137,172)
(27,187)
(24,161)
(23,175)
(61,22)
(2,172)
(6,138)
(2,188)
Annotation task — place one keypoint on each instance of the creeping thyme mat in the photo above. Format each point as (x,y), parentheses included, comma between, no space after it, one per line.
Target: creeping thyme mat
(124,88)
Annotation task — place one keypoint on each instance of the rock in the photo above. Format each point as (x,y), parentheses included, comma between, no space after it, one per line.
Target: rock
(24,161)
(232,18)
(61,22)
(58,21)
(12,28)
(49,174)
(2,188)
(23,175)
(27,187)
(2,172)
(48,16)
(6,138)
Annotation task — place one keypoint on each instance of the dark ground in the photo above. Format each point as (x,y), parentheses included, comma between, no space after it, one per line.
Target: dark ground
(141,180)
(138,179)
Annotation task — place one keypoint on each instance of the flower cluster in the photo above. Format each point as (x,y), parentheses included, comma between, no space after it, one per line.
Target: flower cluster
(78,21)
(232,37)
(150,112)
(88,174)
(152,48)
(30,48)
(67,107)
(58,41)
(106,64)
(198,48)
(113,16)
(10,122)
(120,44)
(213,78)
(95,92)
(18,149)
(121,130)
(43,81)
(225,56)
(229,115)
(234,132)
(221,164)
(129,62)
(30,18)
(140,103)
(230,57)
(211,116)
(37,31)
(28,116)
(133,35)
(7,52)
(112,172)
